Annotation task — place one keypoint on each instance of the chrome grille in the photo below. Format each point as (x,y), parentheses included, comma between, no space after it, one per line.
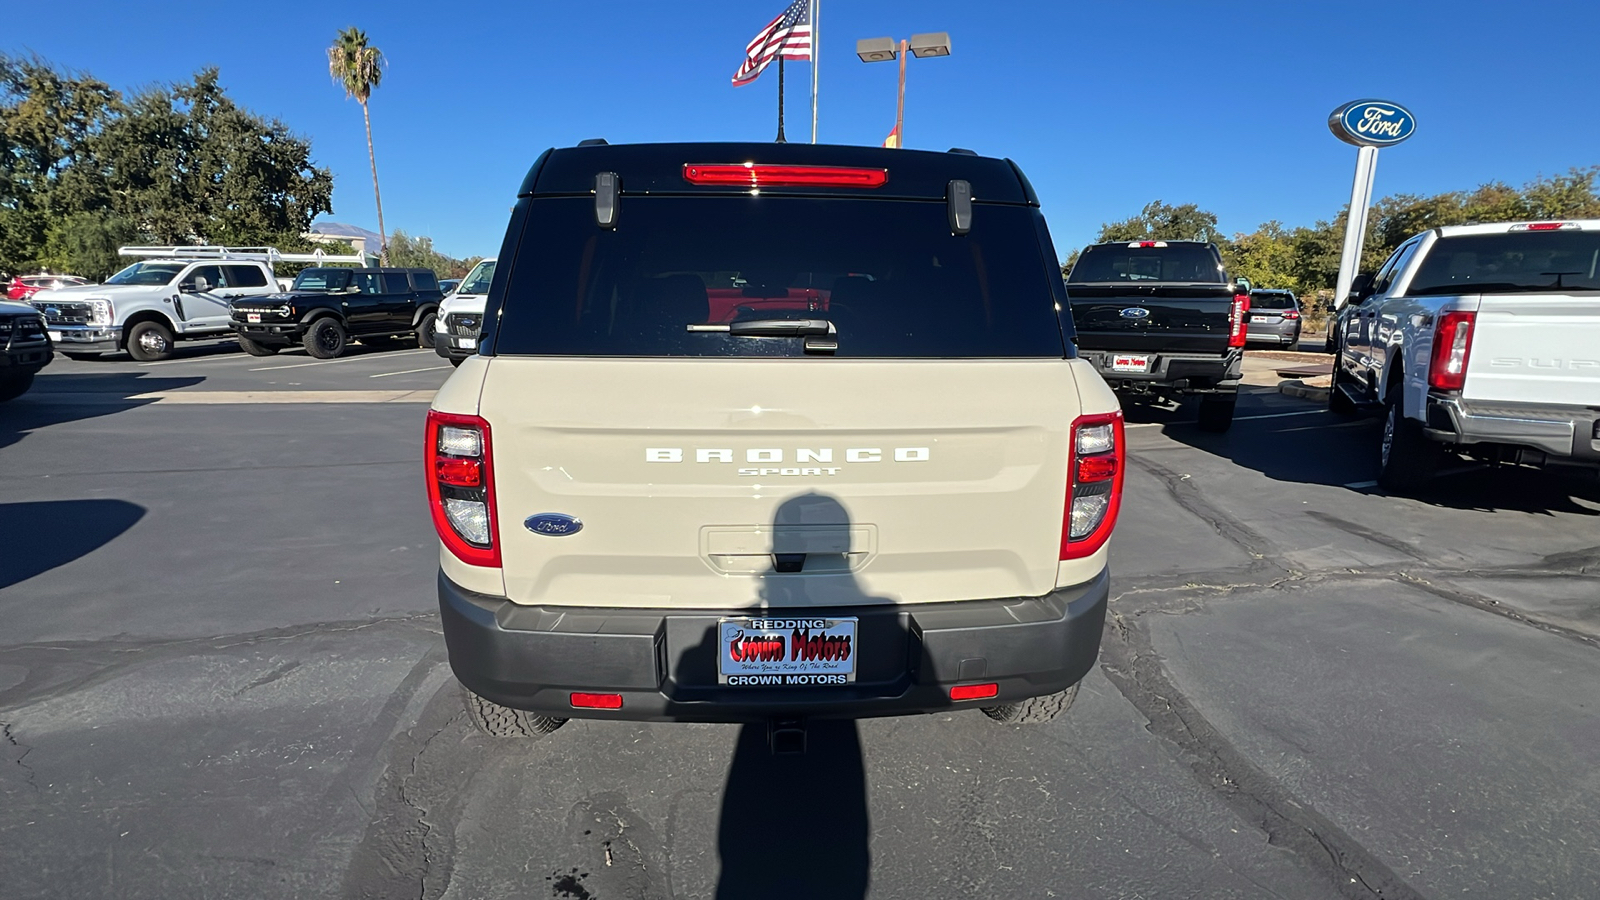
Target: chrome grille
(68,313)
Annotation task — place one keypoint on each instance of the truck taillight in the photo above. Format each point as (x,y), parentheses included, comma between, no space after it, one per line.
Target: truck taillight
(1452,346)
(1290,314)
(461,487)
(1236,320)
(1094,484)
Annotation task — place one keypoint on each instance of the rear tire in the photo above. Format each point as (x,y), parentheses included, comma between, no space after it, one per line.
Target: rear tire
(255,349)
(150,341)
(1216,413)
(504,722)
(1034,710)
(15,386)
(425,333)
(326,339)
(1407,460)
(1339,402)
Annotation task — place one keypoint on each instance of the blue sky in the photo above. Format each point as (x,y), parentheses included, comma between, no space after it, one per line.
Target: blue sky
(1106,105)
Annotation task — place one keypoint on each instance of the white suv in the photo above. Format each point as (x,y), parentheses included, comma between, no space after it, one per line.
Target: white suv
(806,434)
(461,314)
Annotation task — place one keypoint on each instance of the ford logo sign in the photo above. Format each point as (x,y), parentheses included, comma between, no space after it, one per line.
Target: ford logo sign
(1136,312)
(52,312)
(553,524)
(1372,123)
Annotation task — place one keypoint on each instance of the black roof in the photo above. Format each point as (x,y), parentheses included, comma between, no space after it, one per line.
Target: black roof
(658,169)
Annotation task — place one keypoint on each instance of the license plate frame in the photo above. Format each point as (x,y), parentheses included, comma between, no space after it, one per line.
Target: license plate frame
(787,651)
(1131,362)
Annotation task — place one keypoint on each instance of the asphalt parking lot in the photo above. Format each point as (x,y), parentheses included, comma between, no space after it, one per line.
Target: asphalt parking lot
(221,676)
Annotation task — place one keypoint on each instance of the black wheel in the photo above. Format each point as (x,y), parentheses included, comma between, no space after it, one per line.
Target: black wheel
(325,339)
(255,349)
(1216,413)
(425,331)
(14,386)
(457,360)
(1034,710)
(150,341)
(1407,460)
(81,357)
(504,722)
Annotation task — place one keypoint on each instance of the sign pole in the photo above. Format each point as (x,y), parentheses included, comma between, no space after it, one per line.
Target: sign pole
(1355,226)
(1368,124)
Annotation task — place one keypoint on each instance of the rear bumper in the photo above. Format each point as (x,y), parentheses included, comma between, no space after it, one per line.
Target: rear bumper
(1285,333)
(1560,432)
(664,662)
(1189,373)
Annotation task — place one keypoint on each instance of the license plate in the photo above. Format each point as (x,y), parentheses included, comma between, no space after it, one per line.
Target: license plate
(1130,363)
(466,343)
(788,652)
(1261,318)
(252,317)
(55,335)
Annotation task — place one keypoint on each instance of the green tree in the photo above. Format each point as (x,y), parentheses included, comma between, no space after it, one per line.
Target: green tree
(358,68)
(1265,256)
(85,243)
(1159,221)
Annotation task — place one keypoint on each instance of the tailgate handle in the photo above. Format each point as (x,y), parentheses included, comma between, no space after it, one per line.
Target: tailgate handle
(958,202)
(789,562)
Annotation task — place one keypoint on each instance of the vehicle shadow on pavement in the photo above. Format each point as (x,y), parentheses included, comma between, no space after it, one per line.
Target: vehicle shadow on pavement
(43,535)
(56,399)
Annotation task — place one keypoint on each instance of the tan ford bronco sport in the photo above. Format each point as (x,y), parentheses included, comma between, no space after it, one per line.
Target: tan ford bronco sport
(762,432)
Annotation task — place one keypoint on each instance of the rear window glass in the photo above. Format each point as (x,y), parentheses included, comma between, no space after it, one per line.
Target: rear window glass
(1510,263)
(425,280)
(1272,301)
(244,276)
(888,275)
(1185,263)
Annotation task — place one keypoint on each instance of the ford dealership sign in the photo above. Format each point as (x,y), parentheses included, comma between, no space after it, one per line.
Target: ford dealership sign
(1372,123)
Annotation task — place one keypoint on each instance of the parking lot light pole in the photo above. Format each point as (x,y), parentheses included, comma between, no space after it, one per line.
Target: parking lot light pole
(885,49)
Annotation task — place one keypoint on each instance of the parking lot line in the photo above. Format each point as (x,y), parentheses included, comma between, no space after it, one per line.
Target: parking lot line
(217,357)
(1303,412)
(409,371)
(329,362)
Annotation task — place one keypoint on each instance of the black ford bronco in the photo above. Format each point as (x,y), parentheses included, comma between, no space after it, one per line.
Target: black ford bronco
(327,308)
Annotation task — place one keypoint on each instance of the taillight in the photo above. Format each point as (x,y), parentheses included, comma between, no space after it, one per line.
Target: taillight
(1545,226)
(759,175)
(1290,314)
(1452,347)
(1094,489)
(1236,320)
(461,487)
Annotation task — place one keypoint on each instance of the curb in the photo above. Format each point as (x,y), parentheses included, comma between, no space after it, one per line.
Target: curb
(1295,388)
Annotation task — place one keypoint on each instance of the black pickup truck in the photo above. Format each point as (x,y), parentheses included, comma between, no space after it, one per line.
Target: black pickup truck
(24,348)
(1162,318)
(329,307)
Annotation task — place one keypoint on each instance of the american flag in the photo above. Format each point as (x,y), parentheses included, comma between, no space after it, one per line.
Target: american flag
(788,36)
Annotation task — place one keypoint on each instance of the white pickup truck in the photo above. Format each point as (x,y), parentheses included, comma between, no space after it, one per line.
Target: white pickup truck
(1478,340)
(171,294)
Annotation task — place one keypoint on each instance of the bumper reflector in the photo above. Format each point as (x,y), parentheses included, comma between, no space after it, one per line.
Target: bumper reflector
(596,701)
(974,691)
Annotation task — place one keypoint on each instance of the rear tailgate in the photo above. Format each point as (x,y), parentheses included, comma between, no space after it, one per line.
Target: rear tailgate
(1177,318)
(1536,348)
(724,462)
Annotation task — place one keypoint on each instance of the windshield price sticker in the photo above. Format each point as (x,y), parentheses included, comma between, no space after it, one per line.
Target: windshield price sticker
(1125,362)
(755,652)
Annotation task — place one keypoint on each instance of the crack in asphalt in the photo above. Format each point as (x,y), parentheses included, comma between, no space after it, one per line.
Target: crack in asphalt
(5,730)
(1131,663)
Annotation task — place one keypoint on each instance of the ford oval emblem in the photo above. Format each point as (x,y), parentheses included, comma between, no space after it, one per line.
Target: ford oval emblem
(52,312)
(1136,312)
(553,524)
(1372,123)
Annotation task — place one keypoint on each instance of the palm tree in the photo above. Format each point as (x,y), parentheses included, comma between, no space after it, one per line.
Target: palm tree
(358,68)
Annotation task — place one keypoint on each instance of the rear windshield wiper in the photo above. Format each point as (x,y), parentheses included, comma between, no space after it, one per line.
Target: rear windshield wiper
(820,335)
(770,327)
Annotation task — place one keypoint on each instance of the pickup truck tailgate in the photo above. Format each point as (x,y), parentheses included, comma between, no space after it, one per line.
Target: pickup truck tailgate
(1170,317)
(1536,347)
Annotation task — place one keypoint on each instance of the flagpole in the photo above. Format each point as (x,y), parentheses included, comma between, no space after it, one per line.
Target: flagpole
(816,47)
(781,138)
